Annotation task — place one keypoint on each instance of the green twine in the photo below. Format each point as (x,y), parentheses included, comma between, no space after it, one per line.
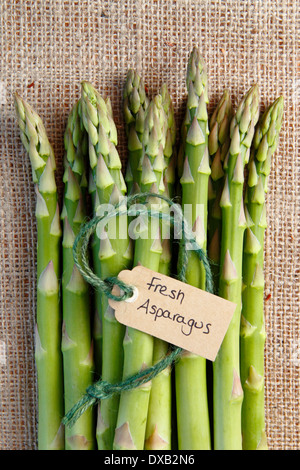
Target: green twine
(101,389)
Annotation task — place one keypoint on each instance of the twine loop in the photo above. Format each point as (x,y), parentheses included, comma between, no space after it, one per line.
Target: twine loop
(102,389)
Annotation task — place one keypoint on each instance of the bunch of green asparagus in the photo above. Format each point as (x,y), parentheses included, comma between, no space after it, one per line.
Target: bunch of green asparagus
(219,167)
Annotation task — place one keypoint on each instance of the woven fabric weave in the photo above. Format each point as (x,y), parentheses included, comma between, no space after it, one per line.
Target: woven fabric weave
(47,49)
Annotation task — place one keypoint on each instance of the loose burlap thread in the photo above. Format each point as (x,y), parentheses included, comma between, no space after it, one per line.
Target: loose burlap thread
(47,48)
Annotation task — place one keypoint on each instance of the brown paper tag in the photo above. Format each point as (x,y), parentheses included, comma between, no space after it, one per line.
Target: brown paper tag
(173,311)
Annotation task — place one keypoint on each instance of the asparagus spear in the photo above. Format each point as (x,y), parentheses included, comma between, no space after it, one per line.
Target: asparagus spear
(227,390)
(158,431)
(97,302)
(252,323)
(218,146)
(114,247)
(76,341)
(48,321)
(159,421)
(190,371)
(168,175)
(138,346)
(104,194)
(136,103)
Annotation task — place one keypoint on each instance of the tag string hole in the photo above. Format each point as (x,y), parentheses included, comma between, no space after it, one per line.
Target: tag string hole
(134,296)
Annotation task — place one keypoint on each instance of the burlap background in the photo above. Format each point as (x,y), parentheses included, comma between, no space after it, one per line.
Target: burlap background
(47,48)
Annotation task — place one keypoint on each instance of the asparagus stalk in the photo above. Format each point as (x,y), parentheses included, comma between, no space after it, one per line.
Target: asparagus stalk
(97,313)
(190,371)
(77,338)
(114,246)
(136,103)
(48,314)
(218,146)
(227,390)
(252,322)
(96,202)
(138,346)
(159,421)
